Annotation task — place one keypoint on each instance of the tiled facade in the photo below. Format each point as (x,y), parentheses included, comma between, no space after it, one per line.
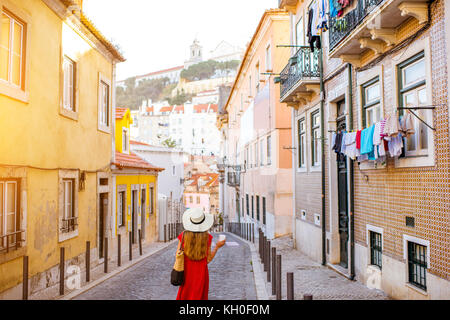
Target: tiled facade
(385,195)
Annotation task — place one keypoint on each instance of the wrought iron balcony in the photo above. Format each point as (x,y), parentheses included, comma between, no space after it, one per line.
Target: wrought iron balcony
(233,179)
(340,28)
(11,241)
(69,224)
(373,25)
(301,71)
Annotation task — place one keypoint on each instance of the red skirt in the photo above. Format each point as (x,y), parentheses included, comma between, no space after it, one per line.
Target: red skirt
(196,278)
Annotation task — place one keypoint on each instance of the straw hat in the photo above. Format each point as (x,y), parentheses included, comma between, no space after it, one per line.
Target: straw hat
(196,220)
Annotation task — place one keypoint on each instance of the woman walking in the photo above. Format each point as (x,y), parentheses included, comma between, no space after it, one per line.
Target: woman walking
(196,242)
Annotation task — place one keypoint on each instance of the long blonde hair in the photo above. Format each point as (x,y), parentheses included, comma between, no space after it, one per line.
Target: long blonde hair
(195,245)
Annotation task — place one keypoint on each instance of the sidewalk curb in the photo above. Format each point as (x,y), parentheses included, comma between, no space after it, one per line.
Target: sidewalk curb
(95,283)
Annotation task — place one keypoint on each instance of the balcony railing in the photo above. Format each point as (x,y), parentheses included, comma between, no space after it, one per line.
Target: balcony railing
(341,28)
(303,65)
(69,224)
(11,241)
(233,179)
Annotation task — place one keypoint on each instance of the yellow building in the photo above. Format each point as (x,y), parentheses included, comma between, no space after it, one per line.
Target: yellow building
(135,182)
(56,136)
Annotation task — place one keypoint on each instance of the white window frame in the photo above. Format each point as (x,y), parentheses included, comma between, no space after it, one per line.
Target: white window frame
(8,88)
(268,58)
(69,83)
(102,80)
(121,206)
(414,49)
(269,149)
(425,243)
(300,20)
(5,214)
(125,140)
(13,21)
(65,175)
(302,166)
(315,166)
(371,228)
(261,152)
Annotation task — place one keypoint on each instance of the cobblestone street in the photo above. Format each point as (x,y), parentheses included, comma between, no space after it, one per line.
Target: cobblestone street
(230,277)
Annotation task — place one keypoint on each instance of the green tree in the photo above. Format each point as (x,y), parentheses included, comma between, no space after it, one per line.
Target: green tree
(169,143)
(132,95)
(206,69)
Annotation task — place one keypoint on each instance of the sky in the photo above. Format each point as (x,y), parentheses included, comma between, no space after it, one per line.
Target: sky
(156,34)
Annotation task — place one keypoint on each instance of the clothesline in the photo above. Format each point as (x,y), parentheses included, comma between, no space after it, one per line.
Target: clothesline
(376,142)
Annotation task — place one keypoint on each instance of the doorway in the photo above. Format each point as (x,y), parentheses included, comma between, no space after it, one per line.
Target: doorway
(103,210)
(143,205)
(134,220)
(342,190)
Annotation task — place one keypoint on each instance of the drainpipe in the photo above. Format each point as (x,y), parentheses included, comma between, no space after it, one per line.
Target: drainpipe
(294,155)
(351,176)
(322,135)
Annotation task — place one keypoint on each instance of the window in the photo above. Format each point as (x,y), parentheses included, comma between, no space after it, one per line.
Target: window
(268,58)
(144,201)
(248,205)
(315,138)
(151,199)
(69,84)
(257,208)
(257,77)
(301,143)
(250,160)
(261,152)
(104,113)
(413,93)
(253,207)
(174,170)
(375,248)
(264,210)
(12,40)
(299,33)
(121,205)
(371,107)
(191,199)
(256,154)
(9,214)
(69,219)
(198,199)
(417,265)
(269,150)
(125,140)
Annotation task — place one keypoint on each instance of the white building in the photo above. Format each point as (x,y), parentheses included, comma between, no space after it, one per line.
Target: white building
(191,126)
(173,74)
(170,181)
(226,52)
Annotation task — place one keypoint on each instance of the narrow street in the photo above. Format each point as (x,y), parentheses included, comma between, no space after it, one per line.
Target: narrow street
(230,277)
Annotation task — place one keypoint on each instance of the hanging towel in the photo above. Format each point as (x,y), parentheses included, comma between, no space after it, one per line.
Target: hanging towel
(392,126)
(333,8)
(358,139)
(350,145)
(407,125)
(343,146)
(367,142)
(395,145)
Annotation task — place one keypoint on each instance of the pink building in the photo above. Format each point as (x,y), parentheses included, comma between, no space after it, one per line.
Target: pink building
(202,192)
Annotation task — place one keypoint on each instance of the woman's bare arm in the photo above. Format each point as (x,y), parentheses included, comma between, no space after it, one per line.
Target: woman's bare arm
(212,254)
